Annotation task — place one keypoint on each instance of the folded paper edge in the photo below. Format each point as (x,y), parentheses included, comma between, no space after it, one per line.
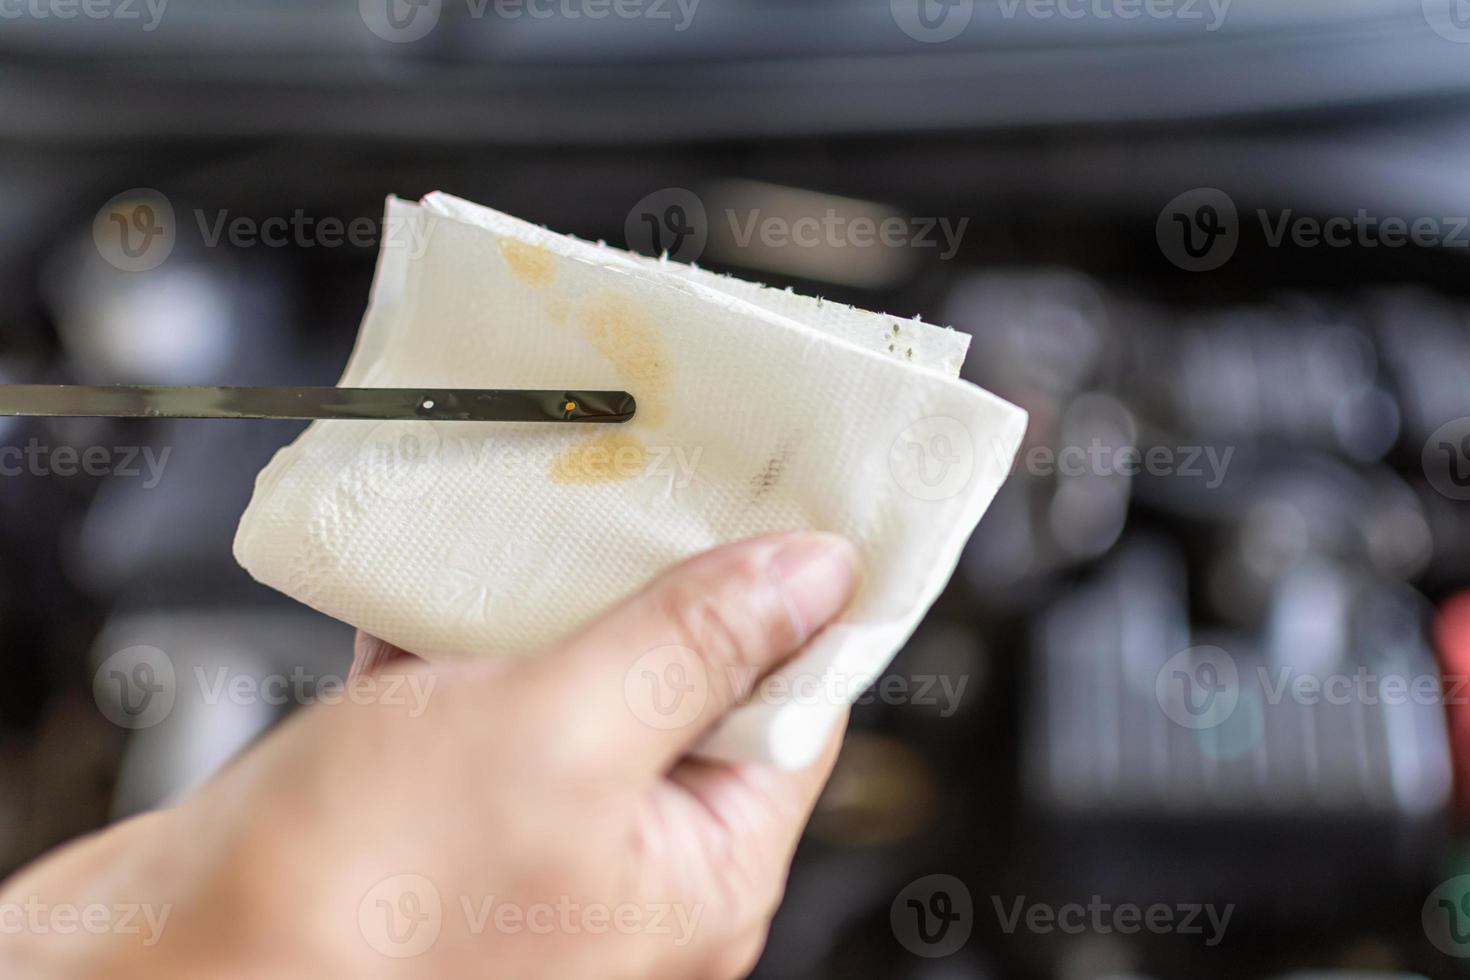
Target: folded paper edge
(952,345)
(791,736)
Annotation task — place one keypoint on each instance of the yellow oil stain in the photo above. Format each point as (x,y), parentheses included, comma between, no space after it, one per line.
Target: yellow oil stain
(556,309)
(632,343)
(601,459)
(532,265)
(630,340)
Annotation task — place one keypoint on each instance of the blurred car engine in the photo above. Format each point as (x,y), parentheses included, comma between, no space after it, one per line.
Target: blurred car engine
(1225,473)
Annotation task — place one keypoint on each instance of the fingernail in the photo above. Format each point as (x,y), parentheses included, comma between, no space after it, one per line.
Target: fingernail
(816,573)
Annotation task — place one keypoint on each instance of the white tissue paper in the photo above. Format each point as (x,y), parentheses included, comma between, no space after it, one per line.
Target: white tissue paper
(758,410)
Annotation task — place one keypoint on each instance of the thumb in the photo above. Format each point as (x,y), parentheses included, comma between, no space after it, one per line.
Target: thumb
(640,686)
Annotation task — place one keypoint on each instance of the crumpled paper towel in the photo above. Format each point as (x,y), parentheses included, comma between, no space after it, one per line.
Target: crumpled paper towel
(758,410)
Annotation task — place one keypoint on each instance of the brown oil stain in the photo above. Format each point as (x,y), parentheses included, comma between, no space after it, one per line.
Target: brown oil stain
(770,475)
(601,459)
(531,264)
(630,340)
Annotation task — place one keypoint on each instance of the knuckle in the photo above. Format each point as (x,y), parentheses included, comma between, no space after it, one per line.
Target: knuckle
(729,614)
(715,626)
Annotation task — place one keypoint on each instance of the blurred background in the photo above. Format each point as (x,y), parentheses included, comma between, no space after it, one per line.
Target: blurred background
(1217,250)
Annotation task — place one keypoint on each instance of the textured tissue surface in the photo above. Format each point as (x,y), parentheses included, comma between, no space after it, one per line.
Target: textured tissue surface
(758,410)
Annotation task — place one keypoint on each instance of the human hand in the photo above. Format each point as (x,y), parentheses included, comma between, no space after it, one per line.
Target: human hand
(526,818)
